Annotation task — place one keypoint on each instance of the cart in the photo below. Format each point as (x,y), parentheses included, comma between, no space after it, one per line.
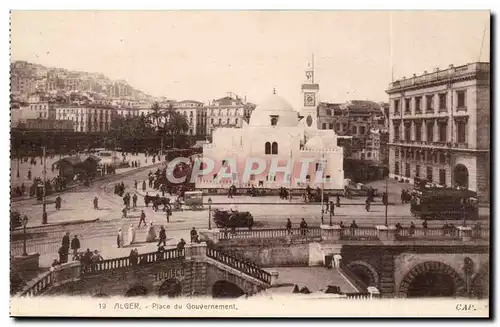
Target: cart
(194,200)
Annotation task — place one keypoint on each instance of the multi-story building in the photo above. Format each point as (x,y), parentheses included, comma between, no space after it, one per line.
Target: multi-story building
(42,110)
(195,114)
(47,125)
(87,119)
(362,121)
(227,112)
(440,127)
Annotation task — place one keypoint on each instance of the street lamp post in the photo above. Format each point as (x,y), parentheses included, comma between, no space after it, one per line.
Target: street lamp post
(25,222)
(209,213)
(386,199)
(44,199)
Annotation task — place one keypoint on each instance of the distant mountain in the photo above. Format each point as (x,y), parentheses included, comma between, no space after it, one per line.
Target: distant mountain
(29,78)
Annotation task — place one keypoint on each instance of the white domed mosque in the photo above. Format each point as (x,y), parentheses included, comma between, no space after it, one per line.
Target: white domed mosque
(276,135)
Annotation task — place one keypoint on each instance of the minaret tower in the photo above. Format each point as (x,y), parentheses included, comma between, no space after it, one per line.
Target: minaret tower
(310,93)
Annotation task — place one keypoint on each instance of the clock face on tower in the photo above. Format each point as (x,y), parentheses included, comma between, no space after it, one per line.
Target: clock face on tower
(309,120)
(309,99)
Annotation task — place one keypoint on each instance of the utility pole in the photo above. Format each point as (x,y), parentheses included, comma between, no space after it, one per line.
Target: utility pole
(291,174)
(322,188)
(387,199)
(44,198)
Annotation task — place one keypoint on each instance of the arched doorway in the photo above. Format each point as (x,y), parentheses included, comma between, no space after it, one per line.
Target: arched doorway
(480,284)
(365,272)
(138,290)
(432,279)
(171,287)
(224,290)
(461,176)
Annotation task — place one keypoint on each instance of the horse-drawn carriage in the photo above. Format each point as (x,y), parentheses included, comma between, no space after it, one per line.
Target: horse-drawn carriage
(256,192)
(232,218)
(315,196)
(194,200)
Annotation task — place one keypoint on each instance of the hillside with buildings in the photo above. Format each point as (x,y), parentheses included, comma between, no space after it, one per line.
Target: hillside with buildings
(28,79)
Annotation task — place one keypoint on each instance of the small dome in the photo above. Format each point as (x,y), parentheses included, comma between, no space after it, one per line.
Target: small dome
(274,106)
(315,143)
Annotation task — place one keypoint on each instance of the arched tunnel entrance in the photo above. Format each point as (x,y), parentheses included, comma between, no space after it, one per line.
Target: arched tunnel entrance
(431,284)
(137,291)
(365,272)
(432,279)
(225,290)
(171,288)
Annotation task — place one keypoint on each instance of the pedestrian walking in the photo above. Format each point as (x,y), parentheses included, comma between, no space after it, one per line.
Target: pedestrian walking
(75,246)
(124,212)
(63,255)
(194,235)
(134,201)
(332,209)
(424,226)
(151,233)
(289,226)
(66,242)
(303,227)
(338,201)
(131,234)
(163,236)
(412,229)
(353,227)
(144,186)
(367,205)
(58,203)
(96,203)
(142,219)
(119,238)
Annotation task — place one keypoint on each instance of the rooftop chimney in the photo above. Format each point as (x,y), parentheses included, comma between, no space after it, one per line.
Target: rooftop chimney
(451,66)
(425,72)
(414,75)
(437,69)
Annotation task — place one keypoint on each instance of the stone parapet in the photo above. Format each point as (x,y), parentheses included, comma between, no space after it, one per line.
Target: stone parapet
(387,233)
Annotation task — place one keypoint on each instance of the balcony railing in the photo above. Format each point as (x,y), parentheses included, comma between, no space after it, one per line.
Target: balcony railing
(123,262)
(239,264)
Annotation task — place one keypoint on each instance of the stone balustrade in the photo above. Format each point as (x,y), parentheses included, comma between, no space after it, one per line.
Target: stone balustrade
(337,233)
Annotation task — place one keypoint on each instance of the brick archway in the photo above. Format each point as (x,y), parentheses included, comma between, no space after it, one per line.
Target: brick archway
(432,267)
(366,269)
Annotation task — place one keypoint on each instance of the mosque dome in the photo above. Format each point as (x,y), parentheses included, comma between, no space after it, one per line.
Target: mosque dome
(274,107)
(315,143)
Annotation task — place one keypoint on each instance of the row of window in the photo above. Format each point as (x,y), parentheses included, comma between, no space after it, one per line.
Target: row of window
(429,171)
(429,102)
(228,121)
(427,156)
(460,125)
(227,112)
(354,129)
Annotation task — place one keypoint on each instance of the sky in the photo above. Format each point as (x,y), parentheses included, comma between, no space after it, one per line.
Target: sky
(203,55)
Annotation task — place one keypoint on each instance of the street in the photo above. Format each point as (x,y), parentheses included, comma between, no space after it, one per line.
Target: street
(268,212)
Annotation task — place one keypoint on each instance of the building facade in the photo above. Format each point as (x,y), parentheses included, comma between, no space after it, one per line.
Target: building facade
(440,127)
(87,119)
(360,120)
(195,114)
(228,111)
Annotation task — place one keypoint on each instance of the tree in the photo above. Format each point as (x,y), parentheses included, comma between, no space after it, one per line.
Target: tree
(166,121)
(127,131)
